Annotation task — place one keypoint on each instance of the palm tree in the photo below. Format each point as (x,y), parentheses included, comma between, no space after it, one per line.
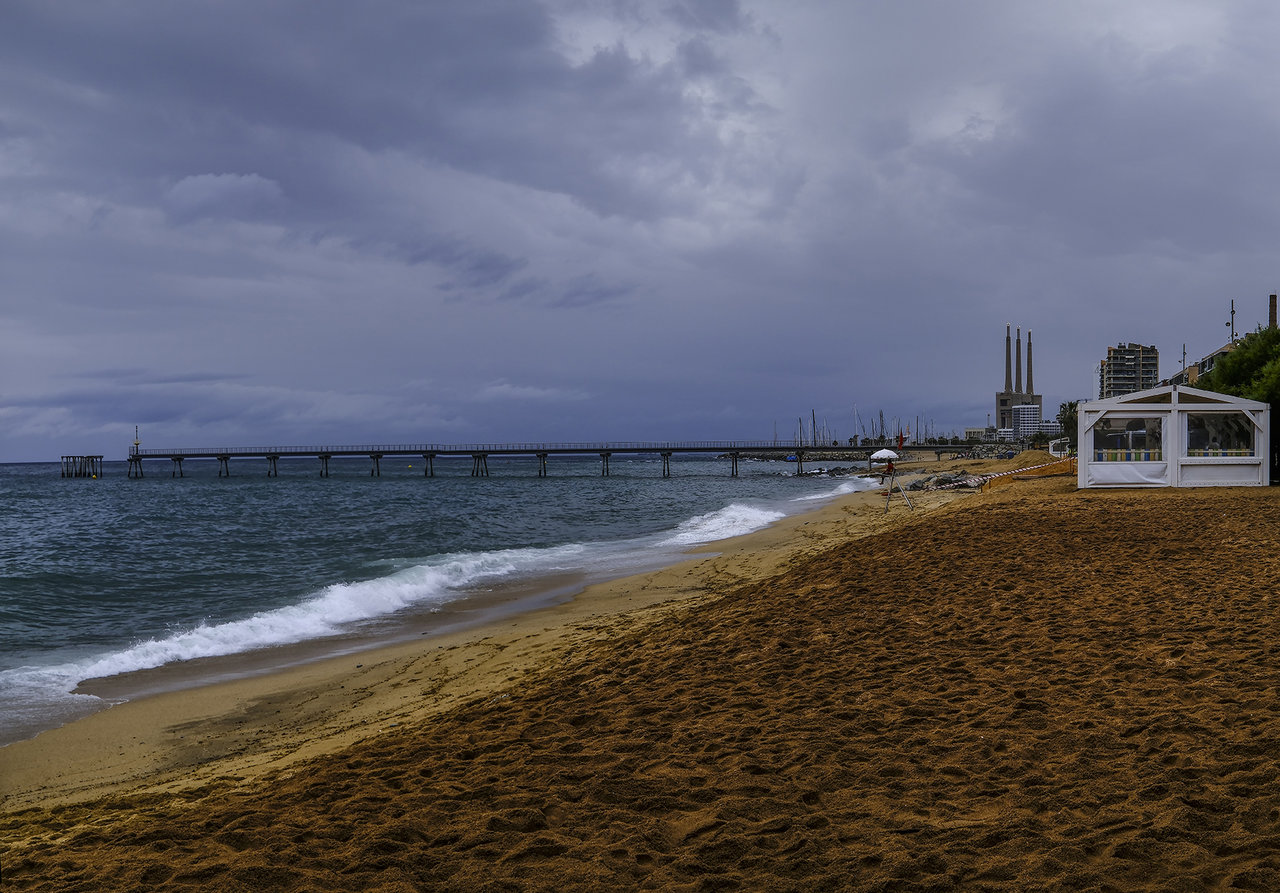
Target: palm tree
(1067,420)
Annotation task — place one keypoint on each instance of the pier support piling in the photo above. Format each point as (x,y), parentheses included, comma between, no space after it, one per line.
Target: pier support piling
(176,470)
(376,470)
(224,466)
(666,464)
(479,465)
(135,467)
(542,465)
(81,466)
(324,465)
(604,464)
(273,471)
(429,460)
(733,472)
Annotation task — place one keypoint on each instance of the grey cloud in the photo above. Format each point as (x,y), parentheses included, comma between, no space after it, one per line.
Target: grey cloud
(473,267)
(143,377)
(524,288)
(698,59)
(480,88)
(1114,155)
(588,290)
(710,15)
(221,195)
(506,391)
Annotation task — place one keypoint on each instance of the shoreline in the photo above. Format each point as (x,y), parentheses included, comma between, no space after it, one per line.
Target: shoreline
(258,721)
(473,609)
(536,578)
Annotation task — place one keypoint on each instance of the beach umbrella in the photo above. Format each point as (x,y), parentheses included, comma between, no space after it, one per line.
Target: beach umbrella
(879,455)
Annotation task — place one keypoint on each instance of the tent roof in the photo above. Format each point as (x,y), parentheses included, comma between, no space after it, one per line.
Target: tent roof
(1171,394)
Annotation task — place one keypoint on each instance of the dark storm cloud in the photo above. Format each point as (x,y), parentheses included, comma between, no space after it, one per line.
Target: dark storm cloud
(587,290)
(640,218)
(474,268)
(524,288)
(230,91)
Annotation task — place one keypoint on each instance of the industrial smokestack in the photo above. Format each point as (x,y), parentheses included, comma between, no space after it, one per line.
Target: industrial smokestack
(1008,360)
(1272,317)
(1017,379)
(1031,389)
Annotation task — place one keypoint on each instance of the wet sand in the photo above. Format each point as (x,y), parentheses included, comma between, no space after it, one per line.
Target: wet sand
(1028,688)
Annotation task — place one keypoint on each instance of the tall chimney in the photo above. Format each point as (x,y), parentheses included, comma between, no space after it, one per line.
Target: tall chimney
(1017,381)
(1272,318)
(1008,361)
(1031,389)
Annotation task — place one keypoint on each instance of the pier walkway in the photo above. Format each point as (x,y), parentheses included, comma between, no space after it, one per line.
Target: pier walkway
(480,453)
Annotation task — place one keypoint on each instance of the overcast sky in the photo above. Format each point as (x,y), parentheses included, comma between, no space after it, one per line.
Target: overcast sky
(324,222)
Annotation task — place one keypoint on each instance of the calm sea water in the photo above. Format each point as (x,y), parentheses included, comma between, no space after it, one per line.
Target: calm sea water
(109,576)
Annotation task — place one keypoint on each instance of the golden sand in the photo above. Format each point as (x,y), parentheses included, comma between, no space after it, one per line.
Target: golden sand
(1027,688)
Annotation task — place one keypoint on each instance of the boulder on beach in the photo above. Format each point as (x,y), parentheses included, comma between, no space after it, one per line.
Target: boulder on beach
(947,479)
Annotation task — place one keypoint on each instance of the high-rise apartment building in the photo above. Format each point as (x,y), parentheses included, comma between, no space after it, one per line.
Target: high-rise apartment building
(1128,368)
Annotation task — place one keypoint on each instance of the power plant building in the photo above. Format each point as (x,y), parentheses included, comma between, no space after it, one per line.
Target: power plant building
(1013,394)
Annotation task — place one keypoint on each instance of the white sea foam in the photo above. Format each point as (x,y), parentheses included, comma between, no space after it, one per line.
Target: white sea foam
(330,612)
(732,520)
(852,485)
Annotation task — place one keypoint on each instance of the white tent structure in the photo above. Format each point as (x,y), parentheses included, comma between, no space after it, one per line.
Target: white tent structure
(1174,436)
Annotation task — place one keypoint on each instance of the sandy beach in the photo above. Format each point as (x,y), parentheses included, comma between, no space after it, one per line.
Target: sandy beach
(1031,687)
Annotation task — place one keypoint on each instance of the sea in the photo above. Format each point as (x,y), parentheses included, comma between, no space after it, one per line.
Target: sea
(165,582)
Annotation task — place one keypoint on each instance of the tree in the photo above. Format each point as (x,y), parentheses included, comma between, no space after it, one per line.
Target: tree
(1251,370)
(1067,416)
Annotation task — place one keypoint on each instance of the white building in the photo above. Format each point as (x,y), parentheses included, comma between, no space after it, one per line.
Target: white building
(1026,420)
(1174,436)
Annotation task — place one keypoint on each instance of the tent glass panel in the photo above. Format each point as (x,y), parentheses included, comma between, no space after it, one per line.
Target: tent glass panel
(1128,440)
(1219,434)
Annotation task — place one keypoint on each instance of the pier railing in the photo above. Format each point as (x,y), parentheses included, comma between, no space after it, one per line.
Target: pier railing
(415,449)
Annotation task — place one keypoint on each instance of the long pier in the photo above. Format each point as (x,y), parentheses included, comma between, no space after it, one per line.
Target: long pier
(733,450)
